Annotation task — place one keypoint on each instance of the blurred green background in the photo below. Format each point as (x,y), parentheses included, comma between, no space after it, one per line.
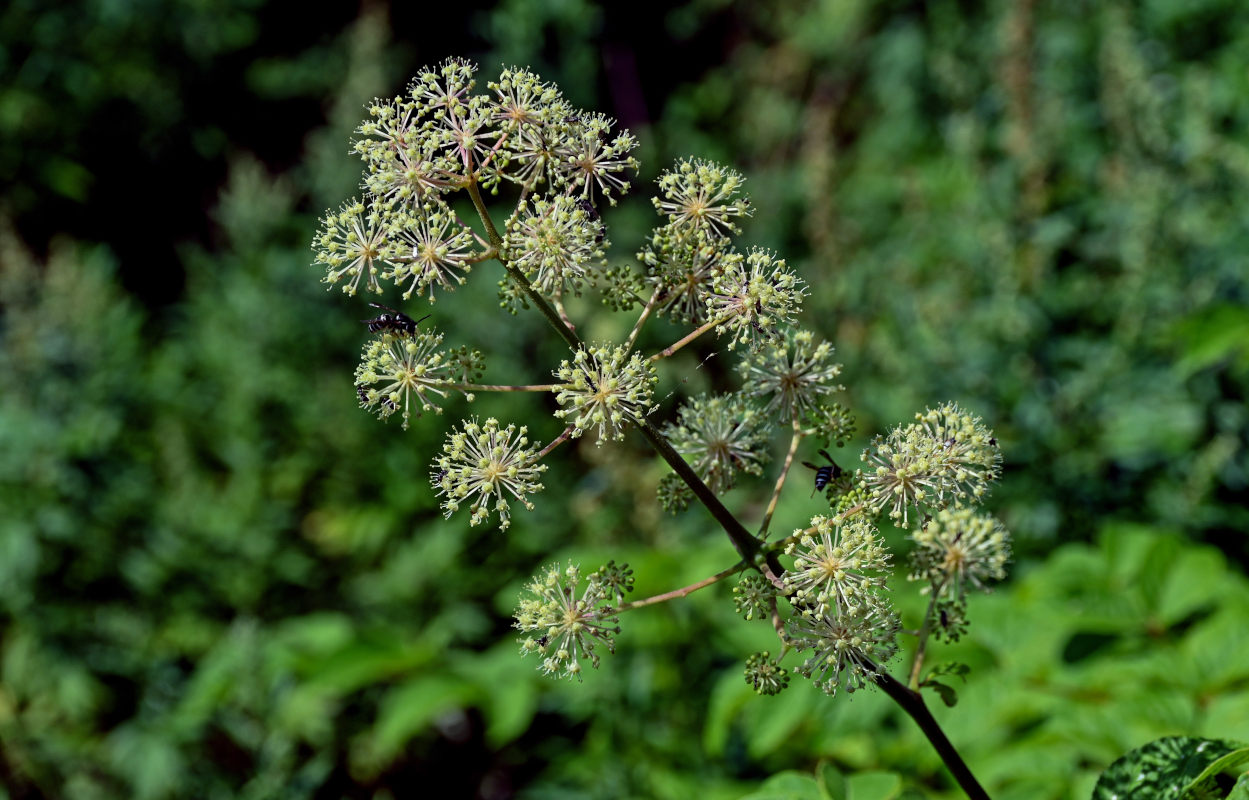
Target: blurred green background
(220,579)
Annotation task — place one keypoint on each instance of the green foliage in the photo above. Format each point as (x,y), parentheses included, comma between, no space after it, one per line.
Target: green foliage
(1170,769)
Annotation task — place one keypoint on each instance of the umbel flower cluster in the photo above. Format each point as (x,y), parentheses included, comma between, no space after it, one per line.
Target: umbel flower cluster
(421,228)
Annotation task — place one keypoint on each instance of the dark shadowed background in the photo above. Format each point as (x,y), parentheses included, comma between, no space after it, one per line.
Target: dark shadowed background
(219,578)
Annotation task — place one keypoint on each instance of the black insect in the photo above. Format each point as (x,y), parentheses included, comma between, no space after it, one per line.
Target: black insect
(393,322)
(993,441)
(824,474)
(363,393)
(592,214)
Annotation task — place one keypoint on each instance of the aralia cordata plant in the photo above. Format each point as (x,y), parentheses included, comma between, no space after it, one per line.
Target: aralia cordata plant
(823,588)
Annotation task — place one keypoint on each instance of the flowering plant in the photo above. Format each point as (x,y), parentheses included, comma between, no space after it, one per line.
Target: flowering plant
(823,588)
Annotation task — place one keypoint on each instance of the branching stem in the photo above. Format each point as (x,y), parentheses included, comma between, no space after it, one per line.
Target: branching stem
(689,337)
(684,590)
(780,480)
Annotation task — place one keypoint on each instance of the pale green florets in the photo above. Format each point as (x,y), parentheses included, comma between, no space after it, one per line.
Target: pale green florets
(849,647)
(553,242)
(838,567)
(605,387)
(700,198)
(483,464)
(590,161)
(753,297)
(430,249)
(404,162)
(569,624)
(791,379)
(351,244)
(721,435)
(946,456)
(682,269)
(959,549)
(397,372)
(765,674)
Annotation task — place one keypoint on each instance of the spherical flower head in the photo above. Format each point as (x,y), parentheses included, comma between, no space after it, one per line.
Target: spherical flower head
(722,435)
(849,647)
(753,596)
(553,242)
(945,457)
(753,297)
(765,674)
(398,372)
(482,464)
(590,160)
(569,624)
(958,549)
(351,244)
(605,387)
(839,566)
(701,196)
(522,100)
(404,162)
(429,248)
(792,379)
(682,268)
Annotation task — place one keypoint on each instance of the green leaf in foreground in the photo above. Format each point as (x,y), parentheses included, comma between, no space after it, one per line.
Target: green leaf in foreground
(1164,769)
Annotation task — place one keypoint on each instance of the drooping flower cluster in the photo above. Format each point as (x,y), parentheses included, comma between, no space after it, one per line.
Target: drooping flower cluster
(753,298)
(569,623)
(723,435)
(482,464)
(849,647)
(838,586)
(946,456)
(793,379)
(605,387)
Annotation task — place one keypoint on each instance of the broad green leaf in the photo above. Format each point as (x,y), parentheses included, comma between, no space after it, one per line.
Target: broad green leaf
(787,786)
(832,783)
(1160,770)
(409,708)
(1226,764)
(875,786)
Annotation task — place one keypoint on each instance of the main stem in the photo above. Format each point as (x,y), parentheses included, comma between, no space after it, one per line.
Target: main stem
(913,704)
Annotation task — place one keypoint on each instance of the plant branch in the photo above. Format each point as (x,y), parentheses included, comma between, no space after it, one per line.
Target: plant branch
(913,704)
(684,590)
(646,312)
(491,387)
(691,336)
(780,480)
(924,630)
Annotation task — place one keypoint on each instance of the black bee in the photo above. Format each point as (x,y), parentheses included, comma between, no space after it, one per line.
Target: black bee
(823,475)
(363,393)
(993,441)
(395,321)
